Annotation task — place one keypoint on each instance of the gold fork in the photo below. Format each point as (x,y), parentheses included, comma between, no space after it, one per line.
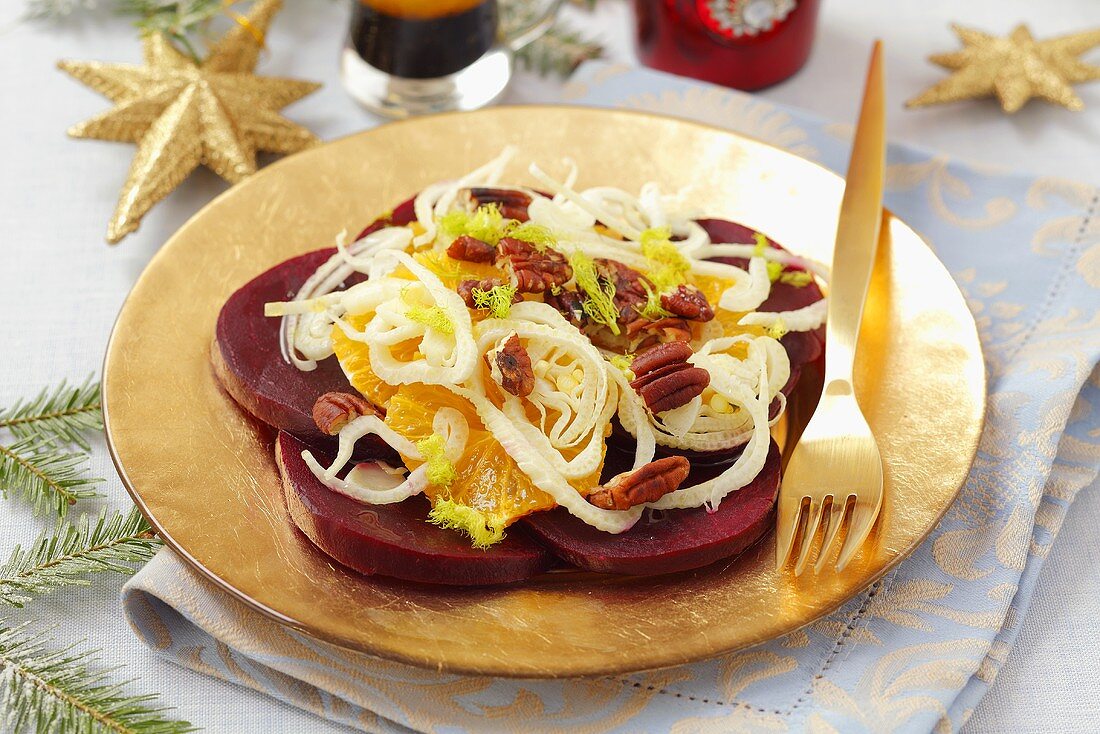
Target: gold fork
(836,462)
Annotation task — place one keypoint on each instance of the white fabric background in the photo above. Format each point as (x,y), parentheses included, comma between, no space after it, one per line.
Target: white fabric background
(62,286)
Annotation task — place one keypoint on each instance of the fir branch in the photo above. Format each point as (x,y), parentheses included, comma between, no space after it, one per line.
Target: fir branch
(64,414)
(44,475)
(559,51)
(64,690)
(110,544)
(178,20)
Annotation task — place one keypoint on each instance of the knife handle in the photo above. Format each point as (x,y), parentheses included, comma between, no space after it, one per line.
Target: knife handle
(858,228)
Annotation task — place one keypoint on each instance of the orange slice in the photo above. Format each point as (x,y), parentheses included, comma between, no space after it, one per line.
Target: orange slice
(354,358)
(713,288)
(452,271)
(489,480)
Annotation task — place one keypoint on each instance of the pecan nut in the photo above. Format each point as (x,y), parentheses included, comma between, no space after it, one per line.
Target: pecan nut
(513,367)
(648,334)
(570,304)
(687,302)
(666,354)
(671,391)
(334,410)
(466,290)
(665,379)
(669,329)
(631,291)
(647,484)
(471,249)
(512,202)
(535,271)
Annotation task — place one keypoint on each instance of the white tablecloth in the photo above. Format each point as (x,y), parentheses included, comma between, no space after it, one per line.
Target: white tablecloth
(63,286)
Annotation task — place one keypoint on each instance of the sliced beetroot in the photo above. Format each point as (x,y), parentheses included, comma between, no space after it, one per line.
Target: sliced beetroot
(723,230)
(248,360)
(802,347)
(401,215)
(396,540)
(669,541)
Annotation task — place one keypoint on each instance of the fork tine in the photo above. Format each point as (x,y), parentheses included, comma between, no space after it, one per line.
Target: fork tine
(812,522)
(863,518)
(789,515)
(836,517)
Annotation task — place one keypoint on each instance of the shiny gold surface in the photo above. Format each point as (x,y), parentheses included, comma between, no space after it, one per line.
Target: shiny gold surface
(205,475)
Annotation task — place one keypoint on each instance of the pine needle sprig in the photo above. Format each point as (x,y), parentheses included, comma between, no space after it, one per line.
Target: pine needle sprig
(64,413)
(559,51)
(64,690)
(179,20)
(44,475)
(74,551)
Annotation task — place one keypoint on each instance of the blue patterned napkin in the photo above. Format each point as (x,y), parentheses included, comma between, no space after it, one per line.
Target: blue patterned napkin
(913,653)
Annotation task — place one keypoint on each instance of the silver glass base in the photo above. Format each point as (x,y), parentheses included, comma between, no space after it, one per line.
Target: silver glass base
(477,85)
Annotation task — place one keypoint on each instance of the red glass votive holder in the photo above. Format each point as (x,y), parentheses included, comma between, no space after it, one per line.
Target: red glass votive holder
(745,44)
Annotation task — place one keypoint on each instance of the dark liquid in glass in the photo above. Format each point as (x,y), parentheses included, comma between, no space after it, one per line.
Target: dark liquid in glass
(420,46)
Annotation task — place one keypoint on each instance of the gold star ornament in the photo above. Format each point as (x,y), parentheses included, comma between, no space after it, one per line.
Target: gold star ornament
(183,114)
(1014,68)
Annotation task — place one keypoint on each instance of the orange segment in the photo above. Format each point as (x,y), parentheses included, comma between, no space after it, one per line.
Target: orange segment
(354,357)
(489,480)
(452,271)
(713,288)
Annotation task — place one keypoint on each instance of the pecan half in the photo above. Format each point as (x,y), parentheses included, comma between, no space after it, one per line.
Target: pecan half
(513,204)
(334,410)
(665,379)
(688,302)
(570,304)
(514,365)
(466,290)
(471,249)
(647,484)
(646,334)
(668,329)
(662,356)
(535,271)
(630,288)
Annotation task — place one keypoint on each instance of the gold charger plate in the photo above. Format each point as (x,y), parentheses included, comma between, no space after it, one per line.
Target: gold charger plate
(204,475)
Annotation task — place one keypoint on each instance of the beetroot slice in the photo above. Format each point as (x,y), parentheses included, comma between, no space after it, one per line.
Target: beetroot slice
(802,347)
(401,215)
(395,540)
(248,361)
(250,365)
(671,541)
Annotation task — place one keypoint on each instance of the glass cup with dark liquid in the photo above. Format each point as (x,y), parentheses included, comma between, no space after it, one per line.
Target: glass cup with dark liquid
(412,57)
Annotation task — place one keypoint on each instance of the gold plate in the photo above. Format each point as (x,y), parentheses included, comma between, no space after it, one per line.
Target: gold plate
(205,476)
